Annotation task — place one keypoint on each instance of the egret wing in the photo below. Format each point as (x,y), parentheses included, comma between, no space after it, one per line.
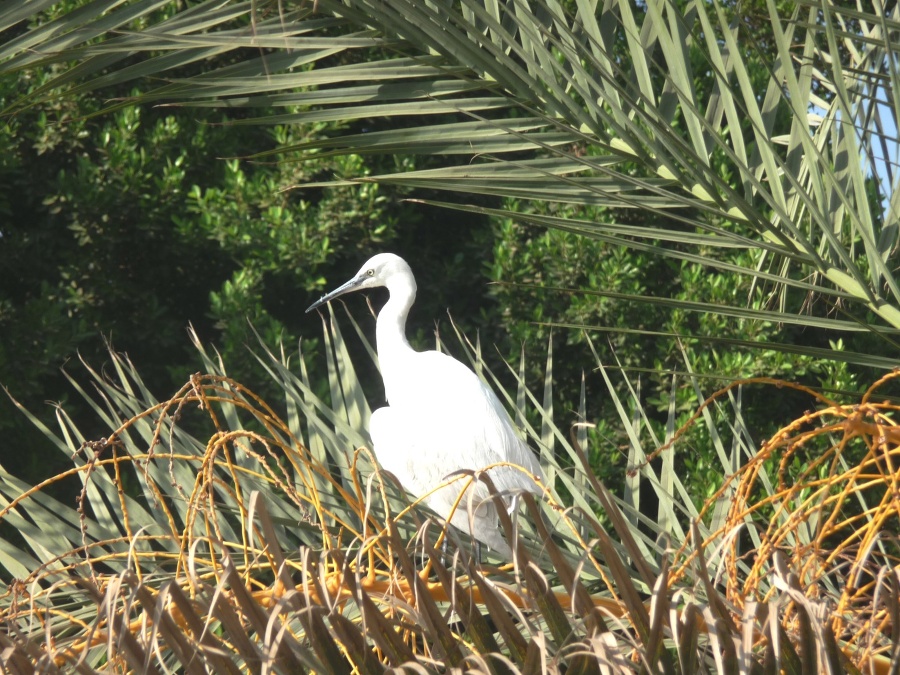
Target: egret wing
(425,463)
(467,415)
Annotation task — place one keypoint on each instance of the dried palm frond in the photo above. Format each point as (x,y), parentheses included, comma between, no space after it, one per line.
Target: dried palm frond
(211,535)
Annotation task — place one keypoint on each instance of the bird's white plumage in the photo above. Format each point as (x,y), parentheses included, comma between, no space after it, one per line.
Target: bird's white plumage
(441,418)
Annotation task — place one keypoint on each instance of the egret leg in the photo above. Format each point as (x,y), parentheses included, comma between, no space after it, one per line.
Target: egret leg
(445,551)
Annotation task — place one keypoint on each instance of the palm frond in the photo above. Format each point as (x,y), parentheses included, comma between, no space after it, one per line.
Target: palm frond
(788,149)
(211,534)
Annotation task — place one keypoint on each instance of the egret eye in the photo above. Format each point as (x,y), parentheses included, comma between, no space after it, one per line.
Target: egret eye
(370,273)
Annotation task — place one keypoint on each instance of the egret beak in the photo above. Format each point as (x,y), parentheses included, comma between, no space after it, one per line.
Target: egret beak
(351,285)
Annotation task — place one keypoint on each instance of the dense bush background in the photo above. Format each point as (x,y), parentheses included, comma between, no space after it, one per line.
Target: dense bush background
(129,226)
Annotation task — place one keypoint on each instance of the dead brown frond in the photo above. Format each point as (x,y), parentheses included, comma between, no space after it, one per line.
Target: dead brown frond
(209,538)
(812,529)
(207,581)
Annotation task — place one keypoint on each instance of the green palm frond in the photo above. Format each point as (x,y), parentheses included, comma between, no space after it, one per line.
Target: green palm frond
(670,107)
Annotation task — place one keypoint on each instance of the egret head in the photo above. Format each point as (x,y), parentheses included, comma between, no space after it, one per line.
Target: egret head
(384,269)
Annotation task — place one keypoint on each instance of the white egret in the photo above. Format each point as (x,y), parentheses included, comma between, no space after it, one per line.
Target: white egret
(441,418)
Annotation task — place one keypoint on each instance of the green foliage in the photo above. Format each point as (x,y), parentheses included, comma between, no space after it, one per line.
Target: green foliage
(554,281)
(131,226)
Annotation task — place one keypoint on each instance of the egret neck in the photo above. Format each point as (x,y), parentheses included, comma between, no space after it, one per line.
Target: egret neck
(394,352)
